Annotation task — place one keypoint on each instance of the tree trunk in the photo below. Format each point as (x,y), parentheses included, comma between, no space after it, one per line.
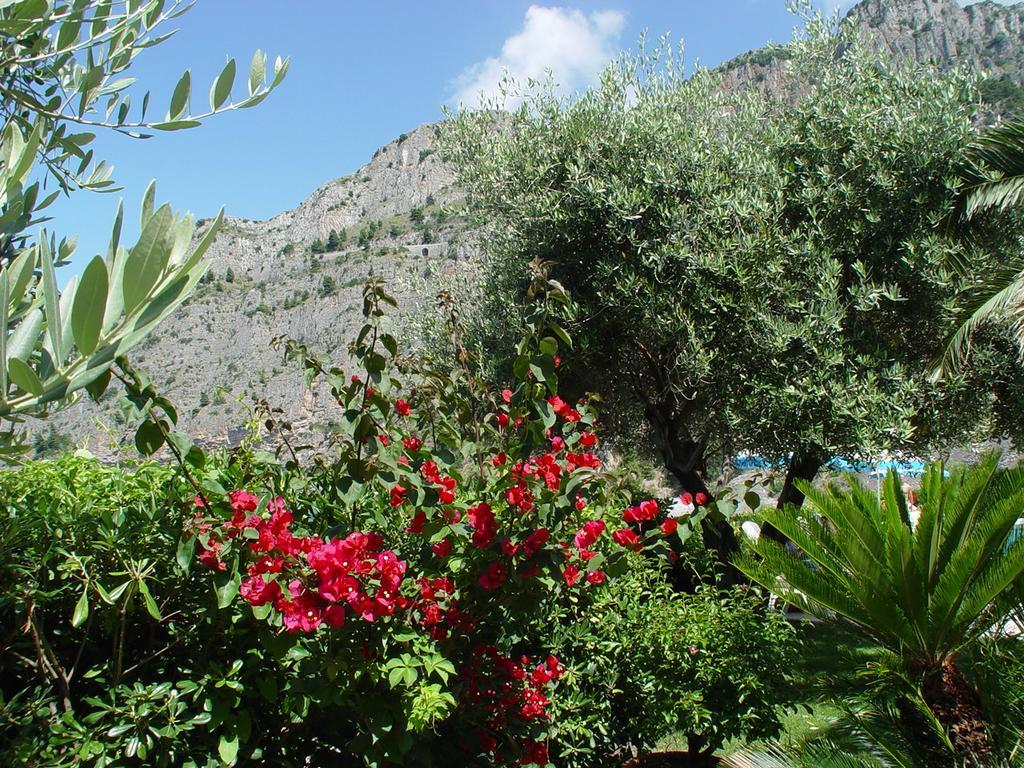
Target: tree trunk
(804,465)
(956,705)
(684,458)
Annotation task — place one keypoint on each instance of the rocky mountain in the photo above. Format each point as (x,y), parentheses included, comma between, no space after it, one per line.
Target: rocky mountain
(299,274)
(986,36)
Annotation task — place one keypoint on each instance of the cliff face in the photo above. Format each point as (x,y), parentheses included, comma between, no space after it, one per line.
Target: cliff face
(299,274)
(986,36)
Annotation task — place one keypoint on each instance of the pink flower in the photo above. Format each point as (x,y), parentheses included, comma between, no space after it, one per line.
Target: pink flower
(506,395)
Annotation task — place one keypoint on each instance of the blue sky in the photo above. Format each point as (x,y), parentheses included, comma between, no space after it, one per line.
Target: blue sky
(361,74)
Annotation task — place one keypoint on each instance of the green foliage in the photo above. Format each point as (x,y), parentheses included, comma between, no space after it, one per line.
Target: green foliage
(67,62)
(753,273)
(648,663)
(924,590)
(335,240)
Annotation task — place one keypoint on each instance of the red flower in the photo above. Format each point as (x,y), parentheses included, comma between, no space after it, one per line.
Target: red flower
(447,493)
(412,443)
(571,575)
(334,615)
(499,459)
(535,753)
(588,534)
(701,499)
(581,503)
(626,537)
(686,498)
(645,510)
(417,523)
(502,420)
(596,577)
(256,591)
(481,517)
(442,548)
(495,575)
(383,439)
(243,501)
(588,439)
(398,495)
(669,526)
(210,559)
(557,443)
(303,613)
(535,542)
(401,407)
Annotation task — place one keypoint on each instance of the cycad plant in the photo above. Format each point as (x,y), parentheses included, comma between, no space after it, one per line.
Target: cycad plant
(922,590)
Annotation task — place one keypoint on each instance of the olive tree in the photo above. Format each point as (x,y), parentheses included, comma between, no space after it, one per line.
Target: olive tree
(764,272)
(64,76)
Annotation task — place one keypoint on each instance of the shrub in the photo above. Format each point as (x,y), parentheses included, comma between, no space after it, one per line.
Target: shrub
(647,663)
(393,610)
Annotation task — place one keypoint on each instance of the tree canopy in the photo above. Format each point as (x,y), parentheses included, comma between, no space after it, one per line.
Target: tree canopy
(763,272)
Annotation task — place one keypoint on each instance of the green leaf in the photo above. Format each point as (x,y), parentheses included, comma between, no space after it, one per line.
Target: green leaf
(90,302)
(226,592)
(148,438)
(222,86)
(147,259)
(227,748)
(81,610)
(257,70)
(151,607)
(176,125)
(184,552)
(51,297)
(23,376)
(179,99)
(99,385)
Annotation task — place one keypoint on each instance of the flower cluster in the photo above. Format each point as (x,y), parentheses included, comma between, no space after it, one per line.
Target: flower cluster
(324,579)
(508,692)
(437,608)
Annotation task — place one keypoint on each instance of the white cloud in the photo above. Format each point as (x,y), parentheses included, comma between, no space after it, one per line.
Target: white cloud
(573,46)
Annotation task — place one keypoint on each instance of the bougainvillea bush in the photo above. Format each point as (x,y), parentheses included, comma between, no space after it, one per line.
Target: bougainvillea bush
(392,603)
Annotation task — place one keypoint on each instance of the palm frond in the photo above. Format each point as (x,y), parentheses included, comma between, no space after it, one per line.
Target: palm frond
(996,168)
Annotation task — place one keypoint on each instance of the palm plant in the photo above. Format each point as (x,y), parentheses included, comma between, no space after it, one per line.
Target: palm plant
(995,180)
(923,591)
